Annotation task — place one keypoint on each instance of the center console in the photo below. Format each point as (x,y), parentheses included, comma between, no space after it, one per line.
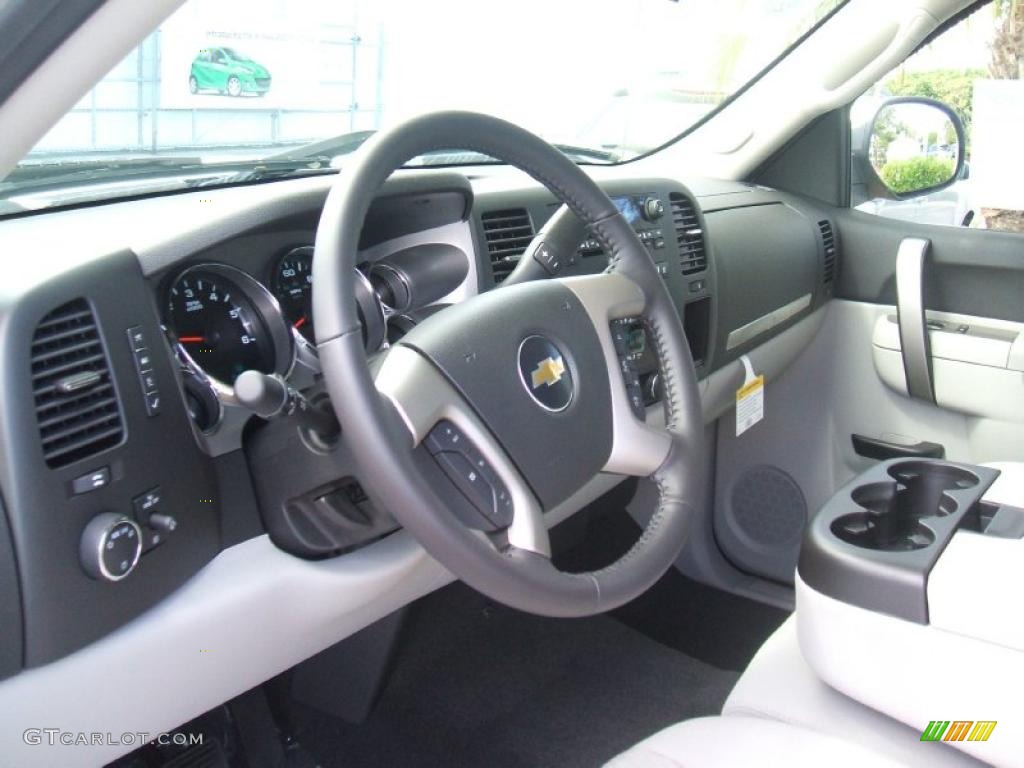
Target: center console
(908,600)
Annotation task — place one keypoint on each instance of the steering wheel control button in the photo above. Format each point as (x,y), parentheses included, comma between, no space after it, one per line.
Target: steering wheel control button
(445,437)
(471,473)
(547,258)
(470,480)
(144,369)
(110,547)
(630,340)
(545,373)
(91,482)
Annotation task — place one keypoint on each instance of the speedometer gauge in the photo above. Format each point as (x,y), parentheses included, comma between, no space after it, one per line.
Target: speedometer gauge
(218,316)
(292,284)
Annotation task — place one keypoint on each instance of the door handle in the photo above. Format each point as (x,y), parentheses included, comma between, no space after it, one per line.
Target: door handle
(914,342)
(877,448)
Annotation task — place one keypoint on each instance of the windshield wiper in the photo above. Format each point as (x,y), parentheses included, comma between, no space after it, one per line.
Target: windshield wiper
(587,154)
(346,143)
(324,149)
(259,170)
(72,171)
(188,171)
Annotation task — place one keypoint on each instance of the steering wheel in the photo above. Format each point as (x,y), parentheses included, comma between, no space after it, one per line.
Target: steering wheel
(513,399)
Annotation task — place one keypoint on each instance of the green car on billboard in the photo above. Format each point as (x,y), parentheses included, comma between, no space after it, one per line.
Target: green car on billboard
(225,70)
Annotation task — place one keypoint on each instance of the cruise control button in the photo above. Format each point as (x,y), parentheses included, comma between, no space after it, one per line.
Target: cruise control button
(620,337)
(470,480)
(445,437)
(547,258)
(636,401)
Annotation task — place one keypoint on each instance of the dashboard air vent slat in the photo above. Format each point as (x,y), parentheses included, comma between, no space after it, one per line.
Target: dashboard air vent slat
(507,232)
(828,241)
(74,422)
(689,235)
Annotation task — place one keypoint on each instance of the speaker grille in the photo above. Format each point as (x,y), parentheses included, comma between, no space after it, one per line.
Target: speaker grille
(768,507)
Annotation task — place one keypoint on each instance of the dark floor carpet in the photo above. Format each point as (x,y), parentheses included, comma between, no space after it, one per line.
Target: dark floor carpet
(483,685)
(478,684)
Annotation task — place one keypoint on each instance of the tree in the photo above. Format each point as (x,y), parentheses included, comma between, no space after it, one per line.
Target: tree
(1008,41)
(916,173)
(954,87)
(1007,64)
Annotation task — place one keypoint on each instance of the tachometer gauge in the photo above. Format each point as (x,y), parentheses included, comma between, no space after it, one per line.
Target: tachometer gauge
(227,323)
(292,284)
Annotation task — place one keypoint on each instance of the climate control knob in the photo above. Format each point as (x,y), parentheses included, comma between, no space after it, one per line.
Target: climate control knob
(110,547)
(653,209)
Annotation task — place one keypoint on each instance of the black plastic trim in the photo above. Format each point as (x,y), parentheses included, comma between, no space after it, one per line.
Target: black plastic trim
(876,448)
(903,512)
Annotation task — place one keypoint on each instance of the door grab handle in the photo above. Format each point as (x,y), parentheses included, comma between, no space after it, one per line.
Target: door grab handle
(877,448)
(914,341)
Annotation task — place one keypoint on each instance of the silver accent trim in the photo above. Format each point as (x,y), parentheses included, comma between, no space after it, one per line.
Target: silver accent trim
(423,397)
(266,305)
(755,328)
(638,449)
(402,278)
(915,346)
(528,386)
(102,543)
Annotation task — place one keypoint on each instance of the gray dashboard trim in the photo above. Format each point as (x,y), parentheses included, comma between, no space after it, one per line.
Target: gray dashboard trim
(250,614)
(766,322)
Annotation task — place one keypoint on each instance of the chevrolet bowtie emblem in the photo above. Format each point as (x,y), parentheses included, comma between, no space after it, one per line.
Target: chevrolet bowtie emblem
(548,373)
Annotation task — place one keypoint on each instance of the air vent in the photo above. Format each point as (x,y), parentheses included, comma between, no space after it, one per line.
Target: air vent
(508,233)
(76,403)
(828,242)
(689,235)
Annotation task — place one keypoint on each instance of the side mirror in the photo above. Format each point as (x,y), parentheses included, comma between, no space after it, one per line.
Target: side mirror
(915,146)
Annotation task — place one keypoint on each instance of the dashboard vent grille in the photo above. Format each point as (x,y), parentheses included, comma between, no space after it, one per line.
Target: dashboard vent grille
(76,403)
(828,241)
(507,233)
(689,235)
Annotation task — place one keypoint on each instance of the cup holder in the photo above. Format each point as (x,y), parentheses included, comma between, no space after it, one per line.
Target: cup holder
(893,510)
(876,540)
(889,526)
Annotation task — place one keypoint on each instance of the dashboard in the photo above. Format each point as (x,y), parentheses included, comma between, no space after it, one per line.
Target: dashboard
(134,480)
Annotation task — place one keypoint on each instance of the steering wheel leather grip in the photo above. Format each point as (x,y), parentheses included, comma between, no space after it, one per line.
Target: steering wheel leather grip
(467,366)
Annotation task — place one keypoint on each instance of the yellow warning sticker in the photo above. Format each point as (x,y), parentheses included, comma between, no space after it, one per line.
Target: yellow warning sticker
(749,404)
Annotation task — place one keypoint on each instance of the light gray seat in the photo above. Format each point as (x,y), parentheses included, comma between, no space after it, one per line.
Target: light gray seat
(781,713)
(741,740)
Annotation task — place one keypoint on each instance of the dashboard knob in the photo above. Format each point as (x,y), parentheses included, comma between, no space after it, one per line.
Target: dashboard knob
(110,547)
(161,522)
(653,209)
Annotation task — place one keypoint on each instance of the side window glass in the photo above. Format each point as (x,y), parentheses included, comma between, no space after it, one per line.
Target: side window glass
(906,162)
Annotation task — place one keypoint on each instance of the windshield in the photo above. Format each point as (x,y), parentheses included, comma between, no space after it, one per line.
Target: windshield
(231,90)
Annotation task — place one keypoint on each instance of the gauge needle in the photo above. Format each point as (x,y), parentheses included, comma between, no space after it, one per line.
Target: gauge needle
(299,323)
(191,339)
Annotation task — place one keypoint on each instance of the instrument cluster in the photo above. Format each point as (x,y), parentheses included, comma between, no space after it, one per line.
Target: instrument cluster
(223,321)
